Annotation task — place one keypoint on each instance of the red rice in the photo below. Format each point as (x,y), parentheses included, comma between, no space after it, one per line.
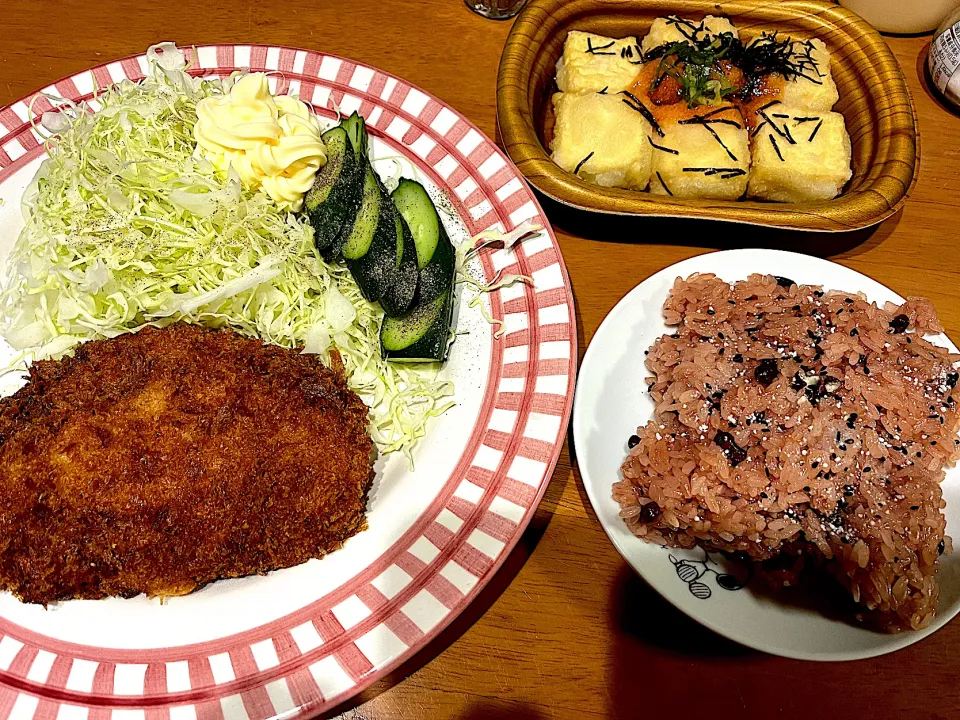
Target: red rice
(845,448)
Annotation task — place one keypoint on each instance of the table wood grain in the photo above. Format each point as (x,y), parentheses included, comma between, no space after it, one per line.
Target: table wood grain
(566,629)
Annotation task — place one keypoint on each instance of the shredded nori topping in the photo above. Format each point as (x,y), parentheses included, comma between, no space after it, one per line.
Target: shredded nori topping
(768,54)
(724,173)
(662,148)
(643,110)
(580,164)
(815,131)
(768,120)
(598,50)
(702,120)
(660,178)
(776,147)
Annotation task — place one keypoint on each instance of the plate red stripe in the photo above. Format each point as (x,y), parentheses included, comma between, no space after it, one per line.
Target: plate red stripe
(22,662)
(481,476)
(536,449)
(156,713)
(225,56)
(303,688)
(286,647)
(59,671)
(243,662)
(201,674)
(404,628)
(371,597)
(287,56)
(132,69)
(354,662)
(257,703)
(46,710)
(444,591)
(258,56)
(102,77)
(10,121)
(7,698)
(497,527)
(328,626)
(473,560)
(439,535)
(411,565)
(155,679)
(518,493)
(546,298)
(67,88)
(211,710)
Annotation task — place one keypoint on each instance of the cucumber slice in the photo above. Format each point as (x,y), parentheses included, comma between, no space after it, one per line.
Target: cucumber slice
(437,277)
(414,204)
(420,336)
(360,237)
(399,296)
(333,199)
(356,129)
(423,334)
(373,251)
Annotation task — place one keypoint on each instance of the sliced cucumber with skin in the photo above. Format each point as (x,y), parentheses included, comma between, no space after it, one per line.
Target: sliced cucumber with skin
(367,221)
(437,277)
(355,129)
(422,335)
(399,296)
(436,256)
(373,251)
(414,204)
(333,199)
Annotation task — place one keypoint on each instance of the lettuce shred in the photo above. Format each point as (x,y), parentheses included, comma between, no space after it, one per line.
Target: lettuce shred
(126,227)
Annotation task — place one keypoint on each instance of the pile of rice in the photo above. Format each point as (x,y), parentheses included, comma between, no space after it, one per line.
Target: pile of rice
(798,424)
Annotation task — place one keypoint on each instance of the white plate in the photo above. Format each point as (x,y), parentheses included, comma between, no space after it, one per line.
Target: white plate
(612,401)
(299,641)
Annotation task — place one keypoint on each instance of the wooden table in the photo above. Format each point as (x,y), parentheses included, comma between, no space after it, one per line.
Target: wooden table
(566,629)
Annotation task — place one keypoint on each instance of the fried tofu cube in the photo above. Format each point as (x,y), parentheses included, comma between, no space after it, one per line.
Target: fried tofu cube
(675,29)
(799,158)
(701,157)
(591,63)
(602,140)
(814,89)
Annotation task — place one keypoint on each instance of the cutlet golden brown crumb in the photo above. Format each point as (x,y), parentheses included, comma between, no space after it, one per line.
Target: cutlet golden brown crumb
(163,460)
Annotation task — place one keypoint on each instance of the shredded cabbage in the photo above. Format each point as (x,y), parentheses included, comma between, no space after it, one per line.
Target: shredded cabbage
(126,228)
(478,242)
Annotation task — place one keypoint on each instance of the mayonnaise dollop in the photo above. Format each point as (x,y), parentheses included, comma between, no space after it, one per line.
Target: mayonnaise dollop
(271,142)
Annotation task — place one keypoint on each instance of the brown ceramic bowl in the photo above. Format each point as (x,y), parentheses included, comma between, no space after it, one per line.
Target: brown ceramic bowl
(874,101)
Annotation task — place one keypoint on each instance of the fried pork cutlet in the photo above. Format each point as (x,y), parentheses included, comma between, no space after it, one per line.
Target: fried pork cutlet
(159,461)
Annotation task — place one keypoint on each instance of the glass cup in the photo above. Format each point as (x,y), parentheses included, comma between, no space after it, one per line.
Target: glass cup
(496,9)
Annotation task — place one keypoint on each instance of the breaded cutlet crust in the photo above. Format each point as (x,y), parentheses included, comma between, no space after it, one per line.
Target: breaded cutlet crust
(159,461)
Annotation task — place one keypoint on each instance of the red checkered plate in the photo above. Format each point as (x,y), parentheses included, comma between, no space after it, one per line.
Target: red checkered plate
(301,640)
